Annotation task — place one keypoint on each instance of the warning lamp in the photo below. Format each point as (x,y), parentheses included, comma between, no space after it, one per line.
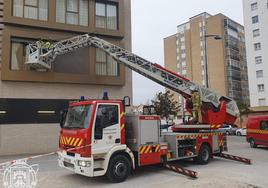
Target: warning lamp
(82,98)
(105,96)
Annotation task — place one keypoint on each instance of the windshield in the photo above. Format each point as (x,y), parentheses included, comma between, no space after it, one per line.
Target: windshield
(78,117)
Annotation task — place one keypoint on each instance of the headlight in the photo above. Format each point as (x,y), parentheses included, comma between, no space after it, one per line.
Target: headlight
(84,163)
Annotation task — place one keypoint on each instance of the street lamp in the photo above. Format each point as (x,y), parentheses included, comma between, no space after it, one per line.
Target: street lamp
(216,37)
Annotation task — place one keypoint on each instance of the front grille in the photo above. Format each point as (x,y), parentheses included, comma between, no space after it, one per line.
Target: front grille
(71,154)
(68,147)
(69,165)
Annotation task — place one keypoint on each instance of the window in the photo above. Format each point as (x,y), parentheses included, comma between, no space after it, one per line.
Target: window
(105,64)
(254,6)
(261,88)
(32,9)
(258,60)
(78,117)
(255,19)
(73,12)
(262,102)
(18,54)
(259,74)
(257,46)
(264,125)
(256,32)
(106,16)
(107,115)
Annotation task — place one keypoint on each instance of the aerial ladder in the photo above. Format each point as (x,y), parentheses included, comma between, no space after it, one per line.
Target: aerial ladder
(216,109)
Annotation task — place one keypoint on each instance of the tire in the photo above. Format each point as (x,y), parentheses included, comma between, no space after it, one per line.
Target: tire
(118,169)
(203,155)
(239,134)
(252,143)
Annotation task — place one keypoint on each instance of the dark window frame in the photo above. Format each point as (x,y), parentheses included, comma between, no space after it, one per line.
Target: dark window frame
(72,12)
(24,4)
(104,120)
(106,23)
(264,126)
(106,63)
(255,19)
(66,11)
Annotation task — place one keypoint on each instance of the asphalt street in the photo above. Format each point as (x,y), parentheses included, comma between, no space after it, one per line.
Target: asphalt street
(219,173)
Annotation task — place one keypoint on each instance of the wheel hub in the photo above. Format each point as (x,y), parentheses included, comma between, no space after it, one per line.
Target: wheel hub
(120,169)
(205,155)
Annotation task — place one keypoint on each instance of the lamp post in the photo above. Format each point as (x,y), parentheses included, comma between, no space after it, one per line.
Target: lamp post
(216,37)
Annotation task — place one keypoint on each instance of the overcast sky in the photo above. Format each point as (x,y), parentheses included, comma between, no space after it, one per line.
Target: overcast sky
(153,20)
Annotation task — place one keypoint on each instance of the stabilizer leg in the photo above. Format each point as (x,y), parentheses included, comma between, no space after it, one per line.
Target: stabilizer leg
(234,158)
(181,170)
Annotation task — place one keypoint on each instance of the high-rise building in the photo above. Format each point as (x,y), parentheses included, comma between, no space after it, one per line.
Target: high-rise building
(210,51)
(256,30)
(30,101)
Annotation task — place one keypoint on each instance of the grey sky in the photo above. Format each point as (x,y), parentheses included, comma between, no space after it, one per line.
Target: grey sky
(153,20)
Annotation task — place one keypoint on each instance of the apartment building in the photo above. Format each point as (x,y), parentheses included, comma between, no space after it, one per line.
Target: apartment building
(30,102)
(224,69)
(256,30)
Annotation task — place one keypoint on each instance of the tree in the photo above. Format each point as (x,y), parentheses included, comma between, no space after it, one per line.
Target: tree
(165,105)
(243,108)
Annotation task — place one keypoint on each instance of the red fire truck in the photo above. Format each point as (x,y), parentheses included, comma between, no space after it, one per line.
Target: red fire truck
(98,137)
(257,131)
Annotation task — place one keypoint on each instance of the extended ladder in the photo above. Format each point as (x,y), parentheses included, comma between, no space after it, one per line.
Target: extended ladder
(41,58)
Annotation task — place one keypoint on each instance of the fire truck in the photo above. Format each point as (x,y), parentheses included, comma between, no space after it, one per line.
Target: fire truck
(257,130)
(99,137)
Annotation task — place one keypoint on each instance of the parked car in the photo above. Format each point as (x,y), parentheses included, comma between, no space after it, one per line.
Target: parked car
(257,131)
(241,132)
(228,129)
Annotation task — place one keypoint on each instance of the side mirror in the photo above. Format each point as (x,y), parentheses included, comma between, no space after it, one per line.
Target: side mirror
(126,101)
(63,114)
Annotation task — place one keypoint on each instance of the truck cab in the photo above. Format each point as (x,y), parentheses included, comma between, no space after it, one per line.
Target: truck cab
(92,132)
(257,131)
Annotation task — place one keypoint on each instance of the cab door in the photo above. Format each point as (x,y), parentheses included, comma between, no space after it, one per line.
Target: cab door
(106,129)
(264,132)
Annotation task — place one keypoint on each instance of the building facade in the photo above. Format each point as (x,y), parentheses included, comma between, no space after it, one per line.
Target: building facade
(31,101)
(256,19)
(226,68)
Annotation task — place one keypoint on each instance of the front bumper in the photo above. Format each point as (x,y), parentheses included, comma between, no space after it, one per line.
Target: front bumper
(71,163)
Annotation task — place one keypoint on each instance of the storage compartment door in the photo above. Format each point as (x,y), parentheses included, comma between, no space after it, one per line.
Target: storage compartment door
(149,131)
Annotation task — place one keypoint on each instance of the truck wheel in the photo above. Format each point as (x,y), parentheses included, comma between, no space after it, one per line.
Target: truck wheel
(252,143)
(118,169)
(203,155)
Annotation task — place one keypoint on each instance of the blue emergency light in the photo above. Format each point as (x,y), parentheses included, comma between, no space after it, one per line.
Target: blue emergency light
(82,98)
(105,95)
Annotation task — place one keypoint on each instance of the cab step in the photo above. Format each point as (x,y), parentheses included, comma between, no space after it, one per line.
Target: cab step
(99,159)
(98,169)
